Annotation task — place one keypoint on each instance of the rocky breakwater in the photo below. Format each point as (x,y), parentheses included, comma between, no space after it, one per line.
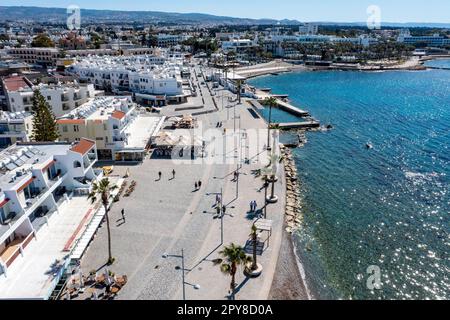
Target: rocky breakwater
(293,203)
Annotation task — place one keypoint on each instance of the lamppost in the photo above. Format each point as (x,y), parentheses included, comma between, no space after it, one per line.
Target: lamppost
(271,171)
(271,102)
(183,270)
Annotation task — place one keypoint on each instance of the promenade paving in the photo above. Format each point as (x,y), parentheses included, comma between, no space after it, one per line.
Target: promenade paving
(163,217)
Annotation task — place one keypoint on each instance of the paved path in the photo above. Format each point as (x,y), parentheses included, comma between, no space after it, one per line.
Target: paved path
(168,215)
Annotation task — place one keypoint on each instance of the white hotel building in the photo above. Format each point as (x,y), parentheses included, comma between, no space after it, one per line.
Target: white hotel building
(62,98)
(121,131)
(43,211)
(154,80)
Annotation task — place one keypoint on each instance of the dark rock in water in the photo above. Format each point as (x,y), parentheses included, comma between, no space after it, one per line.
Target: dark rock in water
(329,127)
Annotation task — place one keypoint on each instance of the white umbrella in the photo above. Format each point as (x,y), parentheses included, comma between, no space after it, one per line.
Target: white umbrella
(81,279)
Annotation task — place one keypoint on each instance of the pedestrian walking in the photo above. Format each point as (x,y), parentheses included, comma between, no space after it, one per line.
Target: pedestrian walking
(196,186)
(160,175)
(251,206)
(255,206)
(224,210)
(218,211)
(173,173)
(217,199)
(123,215)
(200,184)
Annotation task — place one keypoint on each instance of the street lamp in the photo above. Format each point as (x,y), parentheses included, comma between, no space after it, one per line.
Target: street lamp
(183,270)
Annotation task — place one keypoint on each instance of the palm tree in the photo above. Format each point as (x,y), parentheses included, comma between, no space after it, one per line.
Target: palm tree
(103,189)
(254,236)
(271,102)
(239,89)
(233,256)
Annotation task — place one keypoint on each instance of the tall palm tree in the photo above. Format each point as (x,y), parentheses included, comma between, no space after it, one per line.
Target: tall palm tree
(103,189)
(271,102)
(254,236)
(233,256)
(239,88)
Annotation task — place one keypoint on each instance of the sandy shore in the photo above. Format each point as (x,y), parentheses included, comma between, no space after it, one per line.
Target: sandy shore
(279,66)
(288,283)
(276,66)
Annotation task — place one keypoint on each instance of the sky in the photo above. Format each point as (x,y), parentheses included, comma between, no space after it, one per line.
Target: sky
(302,10)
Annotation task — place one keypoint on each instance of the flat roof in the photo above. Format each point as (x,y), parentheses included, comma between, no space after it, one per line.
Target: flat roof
(32,275)
(22,158)
(141,130)
(16,83)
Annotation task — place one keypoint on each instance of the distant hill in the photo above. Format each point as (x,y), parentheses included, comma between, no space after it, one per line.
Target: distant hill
(59,15)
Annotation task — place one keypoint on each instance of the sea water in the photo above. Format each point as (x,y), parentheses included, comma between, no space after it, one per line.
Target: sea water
(376,222)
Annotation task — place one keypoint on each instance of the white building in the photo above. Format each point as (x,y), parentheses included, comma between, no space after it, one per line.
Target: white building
(169,40)
(121,131)
(61,97)
(142,75)
(309,28)
(43,206)
(15,127)
(237,45)
(435,40)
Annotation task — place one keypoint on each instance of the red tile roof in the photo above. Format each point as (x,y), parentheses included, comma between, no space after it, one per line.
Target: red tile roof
(70,121)
(49,165)
(16,82)
(4,202)
(83,146)
(119,115)
(26,184)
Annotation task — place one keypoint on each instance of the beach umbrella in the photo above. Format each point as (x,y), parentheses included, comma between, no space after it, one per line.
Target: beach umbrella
(81,278)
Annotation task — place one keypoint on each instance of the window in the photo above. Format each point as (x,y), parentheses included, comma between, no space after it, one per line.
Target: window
(77,164)
(99,139)
(64,129)
(76,128)
(49,98)
(105,127)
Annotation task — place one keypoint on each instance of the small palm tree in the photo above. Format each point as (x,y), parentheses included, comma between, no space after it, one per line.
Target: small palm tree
(103,189)
(233,256)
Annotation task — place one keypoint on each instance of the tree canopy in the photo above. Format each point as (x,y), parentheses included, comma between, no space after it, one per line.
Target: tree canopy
(45,128)
(42,41)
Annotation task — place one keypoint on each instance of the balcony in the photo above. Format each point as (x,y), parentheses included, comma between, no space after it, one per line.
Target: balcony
(12,134)
(15,248)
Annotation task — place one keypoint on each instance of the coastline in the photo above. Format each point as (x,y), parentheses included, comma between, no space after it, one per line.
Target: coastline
(289,282)
(278,67)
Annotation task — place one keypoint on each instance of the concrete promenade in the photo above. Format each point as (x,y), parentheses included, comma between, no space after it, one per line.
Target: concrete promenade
(163,217)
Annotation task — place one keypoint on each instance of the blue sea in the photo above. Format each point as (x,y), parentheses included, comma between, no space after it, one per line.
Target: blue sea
(387,207)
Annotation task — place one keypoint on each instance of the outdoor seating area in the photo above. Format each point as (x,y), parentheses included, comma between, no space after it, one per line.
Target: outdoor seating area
(185,122)
(172,145)
(95,286)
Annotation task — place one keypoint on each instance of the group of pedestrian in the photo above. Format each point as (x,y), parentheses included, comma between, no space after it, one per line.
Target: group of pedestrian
(219,124)
(198,185)
(160,175)
(253,206)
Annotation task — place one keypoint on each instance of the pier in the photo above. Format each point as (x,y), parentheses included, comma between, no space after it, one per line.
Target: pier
(310,124)
(291,109)
(438,68)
